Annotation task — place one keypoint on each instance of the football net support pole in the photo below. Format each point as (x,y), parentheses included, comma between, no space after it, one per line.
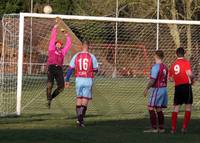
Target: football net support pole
(157,32)
(31,40)
(20,64)
(116,41)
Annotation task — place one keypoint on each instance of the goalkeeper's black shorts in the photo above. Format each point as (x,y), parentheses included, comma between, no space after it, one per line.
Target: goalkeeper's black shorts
(56,72)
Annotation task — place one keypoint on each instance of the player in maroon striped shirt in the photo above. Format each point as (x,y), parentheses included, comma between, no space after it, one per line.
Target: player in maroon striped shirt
(157,88)
(84,64)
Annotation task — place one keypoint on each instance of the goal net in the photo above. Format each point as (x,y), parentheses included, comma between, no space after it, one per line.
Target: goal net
(124,49)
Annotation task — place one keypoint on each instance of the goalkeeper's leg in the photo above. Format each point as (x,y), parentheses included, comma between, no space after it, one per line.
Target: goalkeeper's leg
(60,82)
(50,81)
(49,90)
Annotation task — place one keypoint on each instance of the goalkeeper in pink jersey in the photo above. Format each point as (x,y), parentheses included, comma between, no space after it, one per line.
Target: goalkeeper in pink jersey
(84,64)
(56,53)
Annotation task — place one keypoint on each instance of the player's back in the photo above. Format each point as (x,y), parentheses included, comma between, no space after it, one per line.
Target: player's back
(160,75)
(84,65)
(178,71)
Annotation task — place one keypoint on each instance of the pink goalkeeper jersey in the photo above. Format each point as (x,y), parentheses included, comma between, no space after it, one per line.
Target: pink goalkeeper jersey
(56,57)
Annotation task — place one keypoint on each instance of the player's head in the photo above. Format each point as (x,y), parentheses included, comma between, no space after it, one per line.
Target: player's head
(159,54)
(86,45)
(59,44)
(180,52)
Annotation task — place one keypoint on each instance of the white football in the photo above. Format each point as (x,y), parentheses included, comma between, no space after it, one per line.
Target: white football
(47,9)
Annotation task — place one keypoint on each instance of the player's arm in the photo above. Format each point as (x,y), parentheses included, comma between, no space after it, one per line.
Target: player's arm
(95,64)
(170,74)
(149,85)
(68,38)
(70,71)
(53,36)
(190,74)
(67,44)
(68,75)
(154,74)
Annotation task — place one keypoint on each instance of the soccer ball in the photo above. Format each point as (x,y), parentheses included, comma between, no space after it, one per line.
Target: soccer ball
(47,9)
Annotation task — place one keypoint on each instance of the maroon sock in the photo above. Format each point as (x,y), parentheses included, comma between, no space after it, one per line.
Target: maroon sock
(84,110)
(79,113)
(153,119)
(77,109)
(160,119)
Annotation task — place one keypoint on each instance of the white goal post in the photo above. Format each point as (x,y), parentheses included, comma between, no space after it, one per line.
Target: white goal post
(161,22)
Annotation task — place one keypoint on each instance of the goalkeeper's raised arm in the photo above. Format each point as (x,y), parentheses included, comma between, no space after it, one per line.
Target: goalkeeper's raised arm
(53,38)
(67,44)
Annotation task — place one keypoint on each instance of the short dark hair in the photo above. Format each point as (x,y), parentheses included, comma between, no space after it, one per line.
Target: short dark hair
(86,42)
(180,52)
(160,54)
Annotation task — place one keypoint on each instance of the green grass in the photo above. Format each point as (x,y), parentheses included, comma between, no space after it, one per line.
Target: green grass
(116,114)
(51,128)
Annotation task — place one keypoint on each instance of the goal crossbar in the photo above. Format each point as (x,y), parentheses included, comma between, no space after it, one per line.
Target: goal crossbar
(112,19)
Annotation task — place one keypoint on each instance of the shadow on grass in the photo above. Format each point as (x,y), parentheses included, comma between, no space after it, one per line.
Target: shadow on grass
(28,118)
(87,116)
(98,131)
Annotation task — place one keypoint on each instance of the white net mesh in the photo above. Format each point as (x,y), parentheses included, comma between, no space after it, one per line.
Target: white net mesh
(124,67)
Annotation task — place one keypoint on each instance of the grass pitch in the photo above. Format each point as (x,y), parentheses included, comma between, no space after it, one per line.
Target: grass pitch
(117,114)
